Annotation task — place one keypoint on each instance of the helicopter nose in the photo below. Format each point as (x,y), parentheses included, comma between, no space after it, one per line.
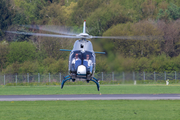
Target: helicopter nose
(81,70)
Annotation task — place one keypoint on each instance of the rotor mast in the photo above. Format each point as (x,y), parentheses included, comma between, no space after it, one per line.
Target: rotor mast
(84,30)
(84,27)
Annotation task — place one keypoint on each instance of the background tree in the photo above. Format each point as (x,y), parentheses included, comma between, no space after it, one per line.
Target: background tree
(5,16)
(106,16)
(134,48)
(21,51)
(83,9)
(170,44)
(31,9)
(149,9)
(171,13)
(56,14)
(4,48)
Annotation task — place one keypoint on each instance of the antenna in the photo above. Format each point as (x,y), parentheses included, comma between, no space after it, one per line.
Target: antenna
(84,27)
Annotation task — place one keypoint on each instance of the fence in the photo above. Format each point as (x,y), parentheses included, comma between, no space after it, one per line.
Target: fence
(113,77)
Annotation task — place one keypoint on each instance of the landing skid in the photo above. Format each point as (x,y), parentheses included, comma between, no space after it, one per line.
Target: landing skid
(68,77)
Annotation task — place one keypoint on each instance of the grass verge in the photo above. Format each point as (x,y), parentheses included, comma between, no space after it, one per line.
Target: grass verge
(88,110)
(110,82)
(90,89)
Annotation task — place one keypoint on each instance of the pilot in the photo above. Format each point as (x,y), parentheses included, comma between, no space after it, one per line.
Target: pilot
(90,66)
(76,61)
(75,58)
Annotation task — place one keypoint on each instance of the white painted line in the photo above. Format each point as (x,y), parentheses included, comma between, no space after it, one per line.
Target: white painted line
(90,98)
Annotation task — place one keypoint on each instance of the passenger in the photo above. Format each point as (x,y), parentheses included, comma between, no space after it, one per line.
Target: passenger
(90,64)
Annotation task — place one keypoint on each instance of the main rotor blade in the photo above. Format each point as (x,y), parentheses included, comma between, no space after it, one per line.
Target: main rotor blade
(52,28)
(90,37)
(45,35)
(130,37)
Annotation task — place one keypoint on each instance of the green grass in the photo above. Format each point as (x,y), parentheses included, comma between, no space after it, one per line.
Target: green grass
(91,110)
(90,89)
(109,82)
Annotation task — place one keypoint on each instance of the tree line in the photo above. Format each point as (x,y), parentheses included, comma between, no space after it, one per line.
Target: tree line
(158,18)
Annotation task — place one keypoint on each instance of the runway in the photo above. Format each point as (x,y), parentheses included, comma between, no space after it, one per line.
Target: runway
(90,97)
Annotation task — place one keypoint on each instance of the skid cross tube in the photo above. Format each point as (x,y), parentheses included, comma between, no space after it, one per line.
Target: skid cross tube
(68,77)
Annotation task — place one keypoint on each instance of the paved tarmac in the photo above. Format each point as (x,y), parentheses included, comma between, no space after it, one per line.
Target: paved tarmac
(91,97)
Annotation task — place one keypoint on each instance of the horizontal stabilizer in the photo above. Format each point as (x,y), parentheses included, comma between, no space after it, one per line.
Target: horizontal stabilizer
(100,52)
(65,50)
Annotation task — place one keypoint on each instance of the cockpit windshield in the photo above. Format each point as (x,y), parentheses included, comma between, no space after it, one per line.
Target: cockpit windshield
(79,58)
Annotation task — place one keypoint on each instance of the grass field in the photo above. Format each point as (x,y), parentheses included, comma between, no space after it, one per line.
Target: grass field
(90,89)
(91,110)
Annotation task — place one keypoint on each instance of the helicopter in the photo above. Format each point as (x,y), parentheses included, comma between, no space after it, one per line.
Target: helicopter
(82,58)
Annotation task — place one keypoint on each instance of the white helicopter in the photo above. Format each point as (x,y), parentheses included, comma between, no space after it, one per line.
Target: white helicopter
(82,59)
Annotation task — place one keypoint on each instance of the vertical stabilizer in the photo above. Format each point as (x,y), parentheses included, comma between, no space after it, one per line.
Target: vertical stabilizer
(84,27)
